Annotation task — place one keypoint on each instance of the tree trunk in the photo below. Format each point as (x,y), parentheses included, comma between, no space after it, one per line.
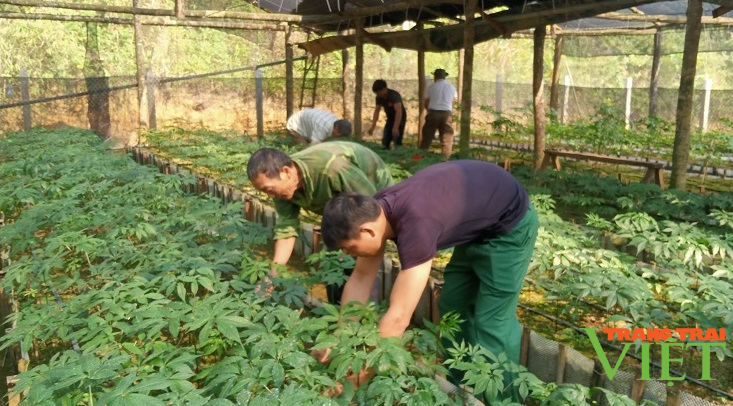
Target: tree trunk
(539,104)
(464,143)
(681,152)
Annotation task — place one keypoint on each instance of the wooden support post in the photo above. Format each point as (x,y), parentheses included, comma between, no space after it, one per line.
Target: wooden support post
(539,103)
(358,77)
(637,387)
(346,84)
(140,63)
(565,117)
(259,104)
(461,64)
(499,93)
(706,106)
(150,86)
(437,288)
(673,396)
(464,142)
(420,89)
(13,397)
(289,81)
(654,82)
(25,96)
(681,150)
(317,239)
(180,13)
(554,91)
(562,357)
(524,349)
(597,377)
(627,107)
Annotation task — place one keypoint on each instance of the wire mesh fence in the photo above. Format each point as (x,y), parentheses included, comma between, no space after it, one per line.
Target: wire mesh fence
(110,105)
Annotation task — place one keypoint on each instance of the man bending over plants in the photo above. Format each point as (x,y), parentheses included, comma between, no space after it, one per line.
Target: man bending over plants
(308,179)
(474,206)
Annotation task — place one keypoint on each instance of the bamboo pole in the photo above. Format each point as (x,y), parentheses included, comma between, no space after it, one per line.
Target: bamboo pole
(358,77)
(539,103)
(468,42)
(681,151)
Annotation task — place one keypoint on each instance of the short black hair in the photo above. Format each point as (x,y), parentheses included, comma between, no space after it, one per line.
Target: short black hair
(344,214)
(343,126)
(269,161)
(378,85)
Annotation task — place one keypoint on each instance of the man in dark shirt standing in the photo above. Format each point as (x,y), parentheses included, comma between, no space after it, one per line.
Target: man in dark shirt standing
(474,206)
(391,101)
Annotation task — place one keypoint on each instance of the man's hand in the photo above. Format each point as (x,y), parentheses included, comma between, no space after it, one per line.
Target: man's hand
(370,130)
(396,132)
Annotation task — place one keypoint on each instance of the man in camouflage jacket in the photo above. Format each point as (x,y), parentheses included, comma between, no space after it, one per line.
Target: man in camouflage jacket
(308,179)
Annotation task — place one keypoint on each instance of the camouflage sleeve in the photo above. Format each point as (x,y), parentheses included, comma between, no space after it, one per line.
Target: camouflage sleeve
(347,177)
(288,223)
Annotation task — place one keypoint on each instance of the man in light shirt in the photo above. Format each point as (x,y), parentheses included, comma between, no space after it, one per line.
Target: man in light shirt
(315,125)
(439,100)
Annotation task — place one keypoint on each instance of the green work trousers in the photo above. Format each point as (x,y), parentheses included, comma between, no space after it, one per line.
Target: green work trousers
(482,283)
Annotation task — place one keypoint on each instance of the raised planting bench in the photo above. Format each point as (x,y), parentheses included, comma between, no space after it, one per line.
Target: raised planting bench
(653,169)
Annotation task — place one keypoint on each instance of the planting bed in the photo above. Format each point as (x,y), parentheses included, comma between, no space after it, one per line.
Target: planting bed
(78,270)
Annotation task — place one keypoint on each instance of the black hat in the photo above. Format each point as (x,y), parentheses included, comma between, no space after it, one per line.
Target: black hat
(441,73)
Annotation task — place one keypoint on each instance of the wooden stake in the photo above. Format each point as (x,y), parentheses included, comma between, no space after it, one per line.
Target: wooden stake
(562,357)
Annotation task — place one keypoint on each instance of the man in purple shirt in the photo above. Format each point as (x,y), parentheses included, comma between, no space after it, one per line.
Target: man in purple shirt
(474,206)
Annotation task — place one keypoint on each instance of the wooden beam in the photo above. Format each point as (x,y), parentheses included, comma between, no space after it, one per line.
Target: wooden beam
(159,12)
(722,3)
(663,19)
(721,10)
(375,40)
(512,20)
(157,21)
